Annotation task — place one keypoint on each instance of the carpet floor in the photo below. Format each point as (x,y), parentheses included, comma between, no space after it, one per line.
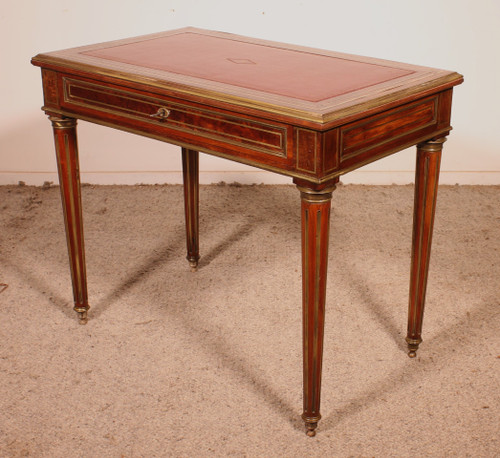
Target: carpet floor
(176,363)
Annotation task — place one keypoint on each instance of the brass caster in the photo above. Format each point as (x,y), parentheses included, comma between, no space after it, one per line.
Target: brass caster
(193,266)
(412,353)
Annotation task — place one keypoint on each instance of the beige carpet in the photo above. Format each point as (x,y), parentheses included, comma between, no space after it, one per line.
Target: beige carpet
(174,363)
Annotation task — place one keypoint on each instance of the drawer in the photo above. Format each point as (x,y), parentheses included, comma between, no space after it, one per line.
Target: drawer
(192,124)
(363,139)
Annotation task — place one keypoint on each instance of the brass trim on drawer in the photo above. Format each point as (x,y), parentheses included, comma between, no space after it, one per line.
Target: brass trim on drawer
(355,148)
(277,145)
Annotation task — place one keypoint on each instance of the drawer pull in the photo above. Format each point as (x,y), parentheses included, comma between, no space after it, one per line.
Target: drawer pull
(161,114)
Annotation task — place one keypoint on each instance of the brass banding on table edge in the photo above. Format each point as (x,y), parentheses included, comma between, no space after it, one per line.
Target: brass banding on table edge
(436,85)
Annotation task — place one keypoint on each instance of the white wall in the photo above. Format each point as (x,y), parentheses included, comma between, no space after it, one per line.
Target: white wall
(459,35)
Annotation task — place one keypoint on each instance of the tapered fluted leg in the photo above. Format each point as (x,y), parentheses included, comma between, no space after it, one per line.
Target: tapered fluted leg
(190,172)
(69,183)
(315,234)
(426,185)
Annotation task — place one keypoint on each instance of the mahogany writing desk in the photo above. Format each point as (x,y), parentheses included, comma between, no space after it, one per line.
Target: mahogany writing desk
(309,114)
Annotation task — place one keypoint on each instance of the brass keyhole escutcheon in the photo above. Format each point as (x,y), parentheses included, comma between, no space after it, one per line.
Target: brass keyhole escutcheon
(162,114)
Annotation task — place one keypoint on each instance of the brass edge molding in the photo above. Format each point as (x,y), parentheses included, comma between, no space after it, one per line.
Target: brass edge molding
(324,117)
(63,66)
(437,85)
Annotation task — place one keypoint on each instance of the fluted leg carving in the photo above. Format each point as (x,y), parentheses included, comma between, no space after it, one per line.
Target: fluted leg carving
(315,237)
(69,183)
(426,185)
(190,171)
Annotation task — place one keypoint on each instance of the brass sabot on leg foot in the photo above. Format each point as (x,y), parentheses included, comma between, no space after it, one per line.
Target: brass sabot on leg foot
(82,317)
(311,429)
(82,313)
(311,424)
(413,346)
(193,264)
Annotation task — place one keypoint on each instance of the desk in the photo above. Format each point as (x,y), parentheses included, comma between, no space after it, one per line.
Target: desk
(309,114)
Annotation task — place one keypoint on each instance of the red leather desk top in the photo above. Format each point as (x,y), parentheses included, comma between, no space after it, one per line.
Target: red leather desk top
(299,74)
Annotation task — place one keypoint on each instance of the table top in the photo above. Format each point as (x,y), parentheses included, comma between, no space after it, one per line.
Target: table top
(308,84)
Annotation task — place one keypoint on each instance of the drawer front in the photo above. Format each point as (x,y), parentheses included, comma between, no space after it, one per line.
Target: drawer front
(362,140)
(165,115)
